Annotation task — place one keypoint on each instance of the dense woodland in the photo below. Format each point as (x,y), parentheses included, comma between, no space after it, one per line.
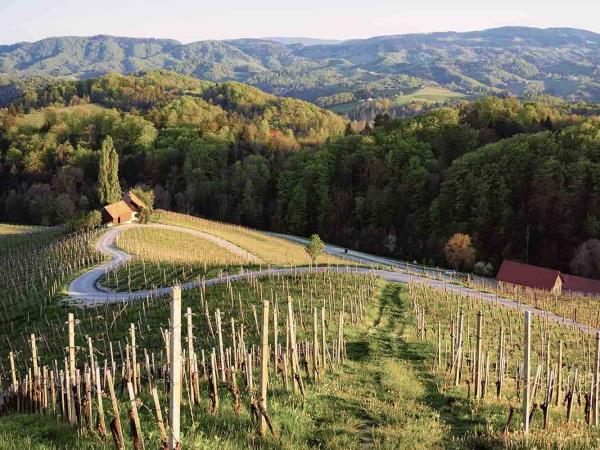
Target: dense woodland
(522,179)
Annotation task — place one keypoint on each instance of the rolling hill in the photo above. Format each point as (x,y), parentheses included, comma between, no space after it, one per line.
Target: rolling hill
(522,61)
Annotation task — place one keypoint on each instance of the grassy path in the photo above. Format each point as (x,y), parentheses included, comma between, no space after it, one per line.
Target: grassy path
(386,396)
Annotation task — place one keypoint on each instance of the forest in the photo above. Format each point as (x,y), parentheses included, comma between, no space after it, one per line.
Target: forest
(522,178)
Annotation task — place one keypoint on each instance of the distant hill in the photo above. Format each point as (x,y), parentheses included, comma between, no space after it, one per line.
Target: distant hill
(303,40)
(522,61)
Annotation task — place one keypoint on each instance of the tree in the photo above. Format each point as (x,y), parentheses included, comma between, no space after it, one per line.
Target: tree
(109,189)
(86,221)
(483,268)
(315,247)
(586,260)
(147,196)
(460,252)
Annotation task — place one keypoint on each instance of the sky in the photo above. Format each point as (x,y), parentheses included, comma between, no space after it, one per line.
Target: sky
(194,20)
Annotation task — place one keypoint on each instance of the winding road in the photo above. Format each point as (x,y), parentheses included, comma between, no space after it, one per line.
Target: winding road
(84,290)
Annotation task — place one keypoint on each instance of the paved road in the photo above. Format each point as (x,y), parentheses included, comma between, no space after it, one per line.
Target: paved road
(366,258)
(84,289)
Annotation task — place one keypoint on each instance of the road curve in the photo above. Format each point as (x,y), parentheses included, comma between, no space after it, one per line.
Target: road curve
(84,289)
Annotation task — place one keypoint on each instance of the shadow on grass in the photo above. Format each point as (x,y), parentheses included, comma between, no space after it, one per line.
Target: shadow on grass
(358,350)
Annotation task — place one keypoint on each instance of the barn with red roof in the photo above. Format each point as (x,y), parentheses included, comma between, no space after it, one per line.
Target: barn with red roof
(514,274)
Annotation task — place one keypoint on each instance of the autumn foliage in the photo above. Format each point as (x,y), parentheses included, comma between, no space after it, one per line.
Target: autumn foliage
(460,252)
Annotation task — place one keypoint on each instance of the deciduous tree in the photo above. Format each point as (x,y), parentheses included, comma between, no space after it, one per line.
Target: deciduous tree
(315,247)
(586,260)
(460,252)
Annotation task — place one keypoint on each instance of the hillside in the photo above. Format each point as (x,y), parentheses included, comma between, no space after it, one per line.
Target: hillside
(522,61)
(342,357)
(500,170)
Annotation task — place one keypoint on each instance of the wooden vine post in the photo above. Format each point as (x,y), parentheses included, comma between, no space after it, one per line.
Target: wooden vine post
(526,371)
(190,350)
(315,347)
(138,442)
(559,374)
(596,380)
(323,345)
(36,378)
(458,355)
(221,350)
(175,385)
(13,372)
(292,344)
(101,425)
(71,332)
(72,370)
(501,364)
(133,347)
(275,339)
(115,424)
(159,417)
(264,369)
(478,357)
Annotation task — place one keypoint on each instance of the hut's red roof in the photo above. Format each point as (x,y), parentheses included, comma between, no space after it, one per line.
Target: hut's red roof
(527,275)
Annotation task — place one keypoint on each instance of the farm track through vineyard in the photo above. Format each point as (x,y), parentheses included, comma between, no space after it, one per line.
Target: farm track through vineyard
(85,290)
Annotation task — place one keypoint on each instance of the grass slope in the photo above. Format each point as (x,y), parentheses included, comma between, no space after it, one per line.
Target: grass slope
(167,257)
(159,245)
(379,398)
(269,249)
(385,396)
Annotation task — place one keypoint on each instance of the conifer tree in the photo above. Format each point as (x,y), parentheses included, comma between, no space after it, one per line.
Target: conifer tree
(109,189)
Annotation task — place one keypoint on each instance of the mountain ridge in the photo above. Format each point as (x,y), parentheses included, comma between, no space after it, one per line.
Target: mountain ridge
(562,62)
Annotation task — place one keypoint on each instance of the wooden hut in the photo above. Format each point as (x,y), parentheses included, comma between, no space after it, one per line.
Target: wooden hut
(134,202)
(117,213)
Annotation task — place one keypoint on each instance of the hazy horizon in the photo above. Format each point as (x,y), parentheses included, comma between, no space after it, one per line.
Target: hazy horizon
(291,37)
(187,21)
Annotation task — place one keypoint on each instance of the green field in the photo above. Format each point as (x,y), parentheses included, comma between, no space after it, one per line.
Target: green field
(428,94)
(37,119)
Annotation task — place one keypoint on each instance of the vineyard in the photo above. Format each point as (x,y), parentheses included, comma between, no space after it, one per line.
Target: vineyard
(156,264)
(270,250)
(327,356)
